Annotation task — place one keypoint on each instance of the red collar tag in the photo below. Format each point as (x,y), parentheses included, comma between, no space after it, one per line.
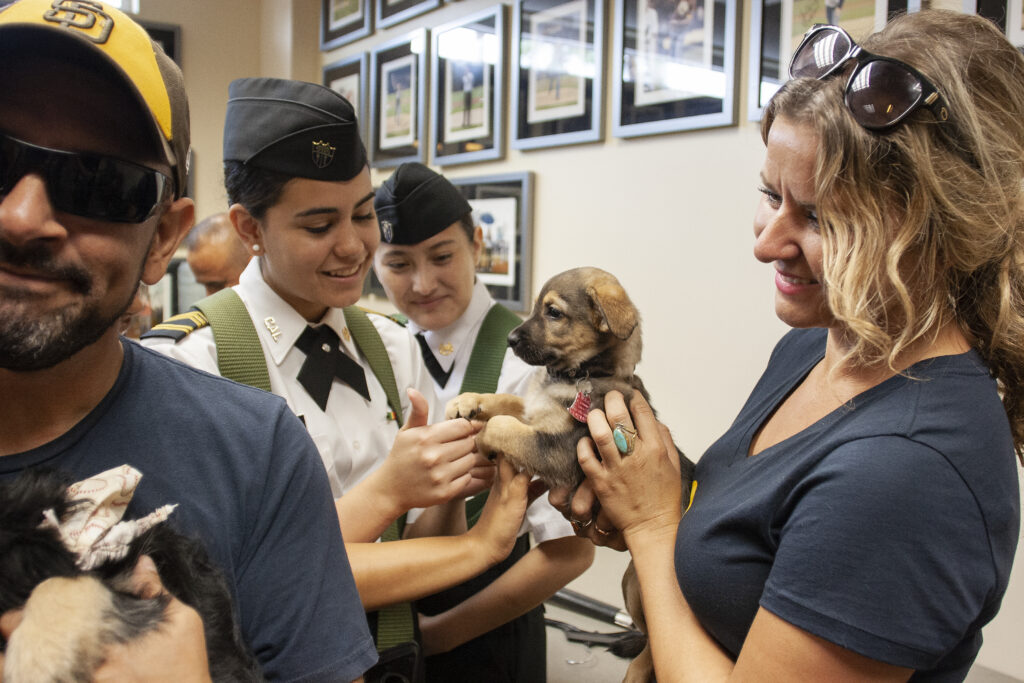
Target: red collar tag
(580,406)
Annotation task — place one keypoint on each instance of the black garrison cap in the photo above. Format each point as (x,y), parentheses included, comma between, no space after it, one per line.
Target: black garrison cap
(291,127)
(416,203)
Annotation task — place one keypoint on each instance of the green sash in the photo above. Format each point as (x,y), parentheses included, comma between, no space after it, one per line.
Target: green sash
(394,622)
(483,372)
(239,354)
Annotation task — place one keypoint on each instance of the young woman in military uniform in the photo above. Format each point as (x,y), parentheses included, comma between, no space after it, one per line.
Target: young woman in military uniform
(491,627)
(301,200)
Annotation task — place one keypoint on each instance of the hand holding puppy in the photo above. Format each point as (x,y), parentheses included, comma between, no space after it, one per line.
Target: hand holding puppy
(639,493)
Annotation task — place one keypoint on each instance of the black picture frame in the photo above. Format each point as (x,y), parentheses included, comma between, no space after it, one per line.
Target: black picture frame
(391,12)
(167,36)
(503,204)
(398,101)
(343,21)
(776,27)
(1008,15)
(557,73)
(348,77)
(673,71)
(467,101)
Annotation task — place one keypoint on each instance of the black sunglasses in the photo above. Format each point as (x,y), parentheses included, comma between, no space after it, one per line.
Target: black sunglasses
(83,184)
(881,91)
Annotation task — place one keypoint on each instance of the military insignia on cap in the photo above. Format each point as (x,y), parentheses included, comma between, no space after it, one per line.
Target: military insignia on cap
(323,153)
(387,230)
(83,15)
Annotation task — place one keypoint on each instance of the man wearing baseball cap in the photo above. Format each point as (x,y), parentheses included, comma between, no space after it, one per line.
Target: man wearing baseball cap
(94,146)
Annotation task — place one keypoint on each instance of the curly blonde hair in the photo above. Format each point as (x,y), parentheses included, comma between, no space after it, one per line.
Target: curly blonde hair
(939,206)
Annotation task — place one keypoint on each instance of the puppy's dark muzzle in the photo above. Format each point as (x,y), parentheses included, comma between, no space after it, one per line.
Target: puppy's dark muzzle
(519,342)
(515,338)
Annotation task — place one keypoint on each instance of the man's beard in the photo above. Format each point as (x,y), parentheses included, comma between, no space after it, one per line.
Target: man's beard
(31,342)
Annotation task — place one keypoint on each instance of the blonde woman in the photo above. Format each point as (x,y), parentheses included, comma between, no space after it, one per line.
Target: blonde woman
(859,518)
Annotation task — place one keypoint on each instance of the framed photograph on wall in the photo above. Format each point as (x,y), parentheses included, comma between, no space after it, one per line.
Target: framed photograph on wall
(557,72)
(467,80)
(398,86)
(342,21)
(778,26)
(391,12)
(347,77)
(673,65)
(503,208)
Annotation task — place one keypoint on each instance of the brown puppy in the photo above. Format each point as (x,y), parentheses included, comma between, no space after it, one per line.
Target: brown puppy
(584,334)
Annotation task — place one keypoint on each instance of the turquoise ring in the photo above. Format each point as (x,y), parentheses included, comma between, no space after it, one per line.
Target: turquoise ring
(624,438)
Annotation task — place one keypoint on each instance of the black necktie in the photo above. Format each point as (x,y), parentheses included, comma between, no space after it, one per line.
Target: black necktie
(439,375)
(325,361)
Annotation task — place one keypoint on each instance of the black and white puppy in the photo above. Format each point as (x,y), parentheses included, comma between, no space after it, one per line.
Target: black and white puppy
(70,615)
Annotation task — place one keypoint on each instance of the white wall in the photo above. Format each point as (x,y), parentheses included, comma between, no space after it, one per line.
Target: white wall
(669,215)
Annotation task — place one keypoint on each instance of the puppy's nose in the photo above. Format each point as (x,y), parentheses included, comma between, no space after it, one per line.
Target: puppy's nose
(514,338)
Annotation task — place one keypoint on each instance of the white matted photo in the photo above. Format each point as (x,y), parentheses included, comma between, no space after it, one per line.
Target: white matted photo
(1015,22)
(556,88)
(674,44)
(347,87)
(398,102)
(497,218)
(467,115)
(342,13)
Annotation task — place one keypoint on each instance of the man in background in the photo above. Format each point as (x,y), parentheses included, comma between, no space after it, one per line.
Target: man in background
(216,255)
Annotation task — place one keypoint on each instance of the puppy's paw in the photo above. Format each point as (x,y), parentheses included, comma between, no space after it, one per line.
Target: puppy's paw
(486,447)
(466,405)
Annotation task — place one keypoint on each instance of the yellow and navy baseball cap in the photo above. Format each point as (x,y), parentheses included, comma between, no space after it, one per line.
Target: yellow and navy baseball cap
(295,128)
(416,203)
(80,27)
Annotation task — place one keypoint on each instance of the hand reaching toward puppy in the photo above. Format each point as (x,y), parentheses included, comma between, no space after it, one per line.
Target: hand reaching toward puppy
(502,515)
(428,465)
(432,464)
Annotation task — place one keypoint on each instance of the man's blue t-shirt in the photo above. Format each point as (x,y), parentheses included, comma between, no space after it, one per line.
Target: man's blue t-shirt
(888,527)
(249,483)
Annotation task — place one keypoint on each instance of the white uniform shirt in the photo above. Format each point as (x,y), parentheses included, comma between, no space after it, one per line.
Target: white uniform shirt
(353,435)
(452,346)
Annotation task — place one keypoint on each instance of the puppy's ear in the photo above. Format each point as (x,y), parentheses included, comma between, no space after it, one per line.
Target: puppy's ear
(615,312)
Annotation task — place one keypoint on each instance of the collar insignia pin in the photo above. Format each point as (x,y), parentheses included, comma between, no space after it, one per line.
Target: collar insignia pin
(272,327)
(345,334)
(446,349)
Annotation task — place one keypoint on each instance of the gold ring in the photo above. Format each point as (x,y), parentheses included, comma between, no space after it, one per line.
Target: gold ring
(624,438)
(602,532)
(579,526)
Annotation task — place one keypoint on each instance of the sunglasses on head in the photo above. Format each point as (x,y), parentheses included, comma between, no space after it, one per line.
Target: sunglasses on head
(881,91)
(84,184)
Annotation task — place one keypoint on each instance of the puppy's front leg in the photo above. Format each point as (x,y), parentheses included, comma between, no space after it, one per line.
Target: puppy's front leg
(483,406)
(508,435)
